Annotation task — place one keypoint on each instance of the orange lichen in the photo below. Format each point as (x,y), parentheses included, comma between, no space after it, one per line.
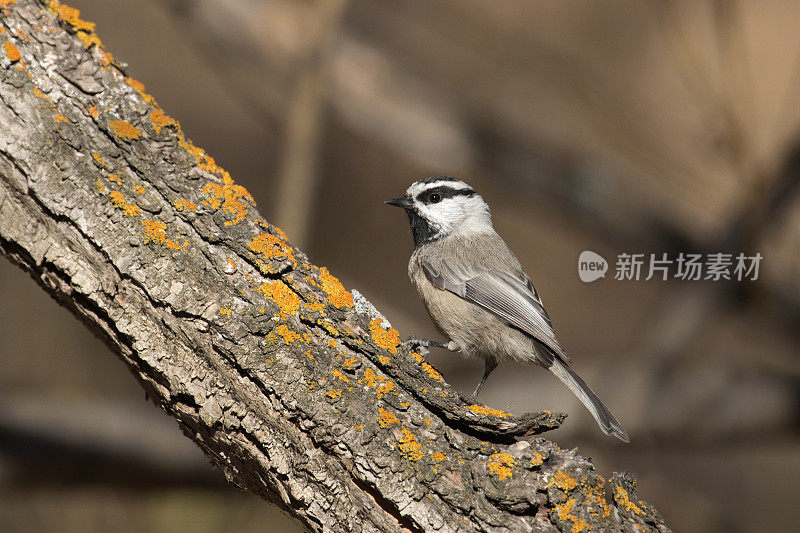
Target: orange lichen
(139,189)
(381,384)
(271,247)
(334,394)
(338,373)
(315,306)
(160,120)
(622,497)
(432,372)
(564,512)
(563,481)
(409,446)
(114,179)
(384,360)
(99,160)
(100,186)
(71,16)
(596,492)
(228,196)
(93,112)
(385,388)
(11,51)
(386,419)
(580,525)
(6,3)
(204,161)
(119,200)
(137,85)
(226,311)
(337,294)
(500,464)
(139,88)
(288,335)
(60,118)
(105,58)
(438,456)
(417,357)
(88,39)
(349,363)
(386,339)
(125,130)
(486,411)
(280,293)
(40,94)
(154,231)
(172,245)
(537,459)
(185,205)
(193,150)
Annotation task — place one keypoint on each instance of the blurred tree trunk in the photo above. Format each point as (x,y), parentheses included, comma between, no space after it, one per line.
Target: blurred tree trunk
(295,387)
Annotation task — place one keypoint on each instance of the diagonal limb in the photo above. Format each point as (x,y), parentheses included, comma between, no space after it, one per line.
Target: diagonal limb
(491,364)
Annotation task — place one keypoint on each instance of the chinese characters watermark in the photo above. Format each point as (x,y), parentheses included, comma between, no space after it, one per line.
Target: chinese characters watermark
(685,266)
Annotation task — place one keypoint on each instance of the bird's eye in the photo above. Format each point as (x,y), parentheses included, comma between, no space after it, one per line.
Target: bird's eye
(434,198)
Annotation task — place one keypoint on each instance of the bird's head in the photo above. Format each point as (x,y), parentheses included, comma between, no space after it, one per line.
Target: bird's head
(440,207)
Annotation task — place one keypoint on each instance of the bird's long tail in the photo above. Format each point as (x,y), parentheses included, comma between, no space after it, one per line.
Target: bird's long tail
(599,411)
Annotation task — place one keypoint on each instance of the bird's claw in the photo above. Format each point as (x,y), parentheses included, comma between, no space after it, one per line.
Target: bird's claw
(420,346)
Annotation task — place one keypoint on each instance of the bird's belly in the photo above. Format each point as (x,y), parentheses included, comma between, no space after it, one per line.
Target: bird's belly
(477,332)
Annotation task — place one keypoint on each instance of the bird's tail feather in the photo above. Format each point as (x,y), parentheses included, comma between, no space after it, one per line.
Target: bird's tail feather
(607,422)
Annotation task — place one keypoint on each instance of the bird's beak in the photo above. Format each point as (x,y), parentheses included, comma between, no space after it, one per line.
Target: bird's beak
(404,201)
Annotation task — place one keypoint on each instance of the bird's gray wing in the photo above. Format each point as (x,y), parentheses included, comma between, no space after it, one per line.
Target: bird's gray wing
(510,296)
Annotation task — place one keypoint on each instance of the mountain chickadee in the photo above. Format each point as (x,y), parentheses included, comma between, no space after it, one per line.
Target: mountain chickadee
(476,292)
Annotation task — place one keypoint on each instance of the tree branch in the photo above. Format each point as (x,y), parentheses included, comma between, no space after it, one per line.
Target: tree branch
(294,386)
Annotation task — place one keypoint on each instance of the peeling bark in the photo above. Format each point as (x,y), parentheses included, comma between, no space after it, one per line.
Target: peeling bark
(299,391)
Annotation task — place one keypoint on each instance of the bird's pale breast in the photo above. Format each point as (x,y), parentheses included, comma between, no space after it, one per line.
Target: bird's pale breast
(478,332)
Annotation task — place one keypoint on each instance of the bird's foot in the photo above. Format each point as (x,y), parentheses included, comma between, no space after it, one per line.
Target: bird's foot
(422,346)
(419,346)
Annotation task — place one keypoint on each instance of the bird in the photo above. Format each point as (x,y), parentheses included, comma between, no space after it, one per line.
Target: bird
(476,292)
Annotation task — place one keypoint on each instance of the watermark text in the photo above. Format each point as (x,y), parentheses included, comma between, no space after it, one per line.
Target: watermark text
(683,266)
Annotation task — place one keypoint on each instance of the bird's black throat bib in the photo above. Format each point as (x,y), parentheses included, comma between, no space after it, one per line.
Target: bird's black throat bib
(422,231)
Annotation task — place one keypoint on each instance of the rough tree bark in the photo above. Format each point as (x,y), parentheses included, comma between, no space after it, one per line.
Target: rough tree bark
(294,386)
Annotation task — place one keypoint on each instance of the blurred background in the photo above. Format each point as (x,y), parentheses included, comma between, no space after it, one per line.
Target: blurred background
(612,126)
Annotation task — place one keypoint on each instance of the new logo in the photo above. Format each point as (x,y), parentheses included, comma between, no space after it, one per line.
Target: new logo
(591,266)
